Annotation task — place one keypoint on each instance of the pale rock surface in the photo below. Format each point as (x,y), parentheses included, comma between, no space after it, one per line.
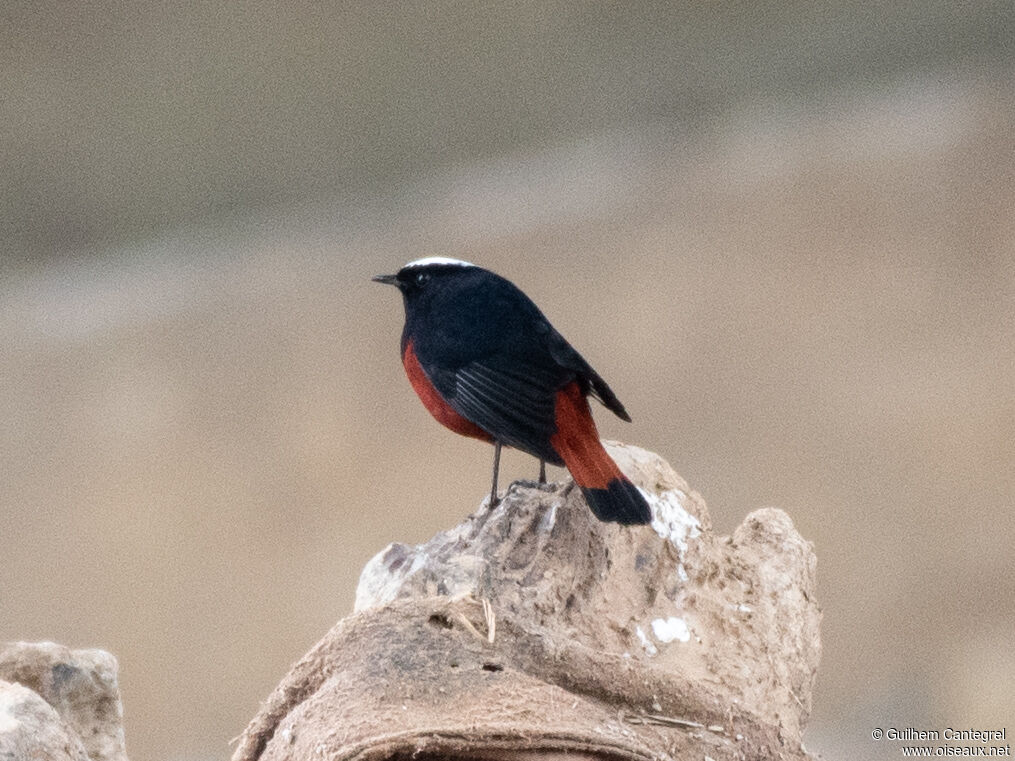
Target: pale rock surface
(533,629)
(30,729)
(80,690)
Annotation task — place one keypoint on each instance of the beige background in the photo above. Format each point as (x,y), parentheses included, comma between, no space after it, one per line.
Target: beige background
(783,233)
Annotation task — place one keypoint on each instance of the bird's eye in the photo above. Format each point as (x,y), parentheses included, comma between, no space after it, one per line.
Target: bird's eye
(422,277)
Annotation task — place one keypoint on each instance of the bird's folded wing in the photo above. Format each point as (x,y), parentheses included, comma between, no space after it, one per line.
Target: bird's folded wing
(512,400)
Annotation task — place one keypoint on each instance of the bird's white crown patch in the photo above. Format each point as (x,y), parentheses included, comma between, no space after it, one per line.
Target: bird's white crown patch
(438,260)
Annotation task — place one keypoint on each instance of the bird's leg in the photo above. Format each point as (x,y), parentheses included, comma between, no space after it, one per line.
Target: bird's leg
(496,467)
(542,471)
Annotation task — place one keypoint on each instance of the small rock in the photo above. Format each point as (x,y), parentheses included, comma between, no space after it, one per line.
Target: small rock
(31,729)
(81,688)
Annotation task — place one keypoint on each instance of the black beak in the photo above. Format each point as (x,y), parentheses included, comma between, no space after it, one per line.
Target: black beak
(386,279)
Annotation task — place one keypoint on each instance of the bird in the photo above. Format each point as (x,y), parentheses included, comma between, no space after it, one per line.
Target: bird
(487,364)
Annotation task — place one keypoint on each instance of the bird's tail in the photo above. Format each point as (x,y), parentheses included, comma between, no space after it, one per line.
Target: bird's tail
(608,492)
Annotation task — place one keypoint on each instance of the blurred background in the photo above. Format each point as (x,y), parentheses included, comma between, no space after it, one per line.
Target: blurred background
(783,232)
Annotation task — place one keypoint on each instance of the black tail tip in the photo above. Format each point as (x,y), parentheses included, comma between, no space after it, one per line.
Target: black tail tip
(620,502)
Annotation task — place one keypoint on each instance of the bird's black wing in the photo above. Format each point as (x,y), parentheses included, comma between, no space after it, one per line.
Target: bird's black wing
(510,398)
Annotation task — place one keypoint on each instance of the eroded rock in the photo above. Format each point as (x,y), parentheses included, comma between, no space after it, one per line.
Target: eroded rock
(30,728)
(533,627)
(80,688)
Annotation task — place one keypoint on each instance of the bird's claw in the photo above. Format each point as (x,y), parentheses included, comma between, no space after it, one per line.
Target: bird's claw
(529,483)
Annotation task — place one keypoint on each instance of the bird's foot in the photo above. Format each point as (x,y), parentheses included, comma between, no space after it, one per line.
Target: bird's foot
(529,483)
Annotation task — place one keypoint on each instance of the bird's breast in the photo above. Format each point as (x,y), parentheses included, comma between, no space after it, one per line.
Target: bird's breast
(434,401)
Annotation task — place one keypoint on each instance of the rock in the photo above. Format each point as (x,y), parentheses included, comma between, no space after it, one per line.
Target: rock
(31,729)
(79,686)
(534,628)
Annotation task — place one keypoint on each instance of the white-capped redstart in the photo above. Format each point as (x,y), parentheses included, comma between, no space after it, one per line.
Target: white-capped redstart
(486,363)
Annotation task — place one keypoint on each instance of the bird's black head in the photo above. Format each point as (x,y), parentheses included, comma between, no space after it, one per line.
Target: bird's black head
(422,275)
(447,299)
